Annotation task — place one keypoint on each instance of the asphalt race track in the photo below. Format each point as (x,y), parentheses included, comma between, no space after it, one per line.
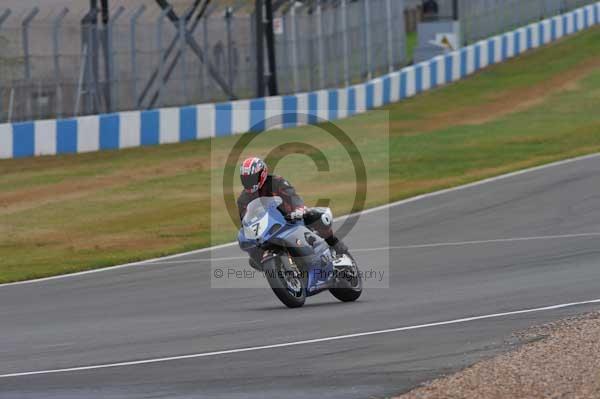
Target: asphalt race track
(525,241)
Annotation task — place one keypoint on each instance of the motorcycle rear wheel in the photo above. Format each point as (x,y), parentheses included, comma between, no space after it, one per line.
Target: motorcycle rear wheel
(286,283)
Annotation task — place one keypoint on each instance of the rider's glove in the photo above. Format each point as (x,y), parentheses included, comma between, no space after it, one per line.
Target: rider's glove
(297,214)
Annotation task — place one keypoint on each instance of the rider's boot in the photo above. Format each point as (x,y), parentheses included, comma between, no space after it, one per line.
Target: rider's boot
(337,244)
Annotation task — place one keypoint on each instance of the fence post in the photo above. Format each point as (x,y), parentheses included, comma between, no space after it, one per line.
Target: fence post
(89,37)
(25,33)
(206,82)
(544,9)
(133,48)
(367,24)
(27,61)
(3,18)
(113,78)
(505,19)
(346,51)
(95,67)
(11,102)
(332,48)
(541,6)
(182,48)
(481,21)
(271,51)
(284,66)
(320,48)
(403,54)
(82,71)
(311,60)
(390,48)
(55,49)
(88,86)
(293,32)
(161,60)
(228,20)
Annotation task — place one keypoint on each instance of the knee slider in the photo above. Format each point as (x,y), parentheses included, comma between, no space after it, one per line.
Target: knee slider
(327,217)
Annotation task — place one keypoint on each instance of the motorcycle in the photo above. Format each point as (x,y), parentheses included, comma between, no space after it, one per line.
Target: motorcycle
(296,261)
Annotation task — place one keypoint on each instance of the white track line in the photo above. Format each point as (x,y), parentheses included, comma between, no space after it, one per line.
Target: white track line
(111,268)
(414,246)
(365,212)
(470,185)
(305,342)
(493,241)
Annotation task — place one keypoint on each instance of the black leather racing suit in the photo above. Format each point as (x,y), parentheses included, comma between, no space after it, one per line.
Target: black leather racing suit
(278,186)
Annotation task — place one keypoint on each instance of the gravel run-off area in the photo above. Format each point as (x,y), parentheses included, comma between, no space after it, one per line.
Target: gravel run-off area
(561,360)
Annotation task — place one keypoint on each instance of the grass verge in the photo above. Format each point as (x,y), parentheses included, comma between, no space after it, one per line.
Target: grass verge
(71,213)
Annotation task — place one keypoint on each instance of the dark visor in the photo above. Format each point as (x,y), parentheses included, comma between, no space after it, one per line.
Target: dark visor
(249,181)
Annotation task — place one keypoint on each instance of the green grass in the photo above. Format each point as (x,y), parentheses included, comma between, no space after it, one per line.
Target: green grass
(72,213)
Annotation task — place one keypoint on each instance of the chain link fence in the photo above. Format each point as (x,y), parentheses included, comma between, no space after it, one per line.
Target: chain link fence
(59,64)
(56,64)
(324,47)
(485,18)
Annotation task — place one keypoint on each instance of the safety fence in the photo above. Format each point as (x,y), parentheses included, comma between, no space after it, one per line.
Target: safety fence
(58,63)
(351,41)
(170,125)
(484,18)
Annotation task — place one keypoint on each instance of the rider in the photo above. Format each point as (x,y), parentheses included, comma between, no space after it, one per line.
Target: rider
(258,182)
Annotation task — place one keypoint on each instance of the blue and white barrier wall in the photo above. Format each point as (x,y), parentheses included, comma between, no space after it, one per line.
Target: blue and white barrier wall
(172,125)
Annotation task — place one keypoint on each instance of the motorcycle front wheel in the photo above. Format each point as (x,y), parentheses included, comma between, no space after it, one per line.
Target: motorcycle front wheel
(350,286)
(285,281)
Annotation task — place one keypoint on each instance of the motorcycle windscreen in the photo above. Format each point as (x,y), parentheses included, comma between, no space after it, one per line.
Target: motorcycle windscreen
(258,208)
